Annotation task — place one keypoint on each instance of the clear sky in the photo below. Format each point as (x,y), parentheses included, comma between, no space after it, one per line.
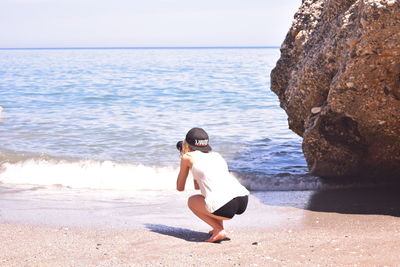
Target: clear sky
(105,23)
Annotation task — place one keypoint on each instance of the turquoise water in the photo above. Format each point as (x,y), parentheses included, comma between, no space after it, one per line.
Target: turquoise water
(110,118)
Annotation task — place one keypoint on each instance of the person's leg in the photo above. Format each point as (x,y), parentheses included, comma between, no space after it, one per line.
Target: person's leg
(197,205)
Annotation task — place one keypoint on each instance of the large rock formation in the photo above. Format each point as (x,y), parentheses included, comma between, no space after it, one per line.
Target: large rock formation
(338,79)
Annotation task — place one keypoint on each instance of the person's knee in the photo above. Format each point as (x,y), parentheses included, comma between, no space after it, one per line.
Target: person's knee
(190,202)
(193,201)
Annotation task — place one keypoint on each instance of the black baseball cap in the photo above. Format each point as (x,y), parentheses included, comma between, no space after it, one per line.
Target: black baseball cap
(197,139)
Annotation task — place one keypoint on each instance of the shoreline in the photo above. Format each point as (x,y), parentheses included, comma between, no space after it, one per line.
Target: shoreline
(101,232)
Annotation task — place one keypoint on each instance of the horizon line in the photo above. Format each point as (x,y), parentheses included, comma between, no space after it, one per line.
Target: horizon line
(138,47)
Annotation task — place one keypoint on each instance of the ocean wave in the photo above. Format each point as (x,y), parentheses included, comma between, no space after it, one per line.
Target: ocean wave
(93,174)
(108,175)
(88,174)
(279,182)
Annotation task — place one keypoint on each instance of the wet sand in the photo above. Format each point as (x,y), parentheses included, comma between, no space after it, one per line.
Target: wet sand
(332,228)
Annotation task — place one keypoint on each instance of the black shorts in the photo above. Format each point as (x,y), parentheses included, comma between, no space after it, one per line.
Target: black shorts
(236,206)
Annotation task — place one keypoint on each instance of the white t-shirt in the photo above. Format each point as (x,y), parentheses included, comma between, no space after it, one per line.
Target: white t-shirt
(217,185)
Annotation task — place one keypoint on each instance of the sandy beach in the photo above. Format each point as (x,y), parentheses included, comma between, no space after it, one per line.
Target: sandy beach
(290,232)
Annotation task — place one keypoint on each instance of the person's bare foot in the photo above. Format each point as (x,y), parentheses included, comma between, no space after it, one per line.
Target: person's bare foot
(217,236)
(211,232)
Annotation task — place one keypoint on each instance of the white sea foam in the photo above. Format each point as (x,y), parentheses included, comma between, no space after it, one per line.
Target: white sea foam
(89,174)
(108,175)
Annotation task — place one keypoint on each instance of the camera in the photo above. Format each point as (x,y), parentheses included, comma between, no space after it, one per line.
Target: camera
(179,145)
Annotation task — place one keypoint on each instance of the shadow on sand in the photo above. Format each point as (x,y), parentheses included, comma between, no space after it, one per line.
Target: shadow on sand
(378,201)
(182,233)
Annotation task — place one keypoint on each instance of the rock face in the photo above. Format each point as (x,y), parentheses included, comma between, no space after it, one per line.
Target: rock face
(338,79)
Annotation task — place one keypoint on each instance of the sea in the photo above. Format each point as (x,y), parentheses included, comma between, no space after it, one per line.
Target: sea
(109,118)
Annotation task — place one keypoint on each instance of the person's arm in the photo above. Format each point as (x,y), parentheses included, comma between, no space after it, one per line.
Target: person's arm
(183,173)
(196,185)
